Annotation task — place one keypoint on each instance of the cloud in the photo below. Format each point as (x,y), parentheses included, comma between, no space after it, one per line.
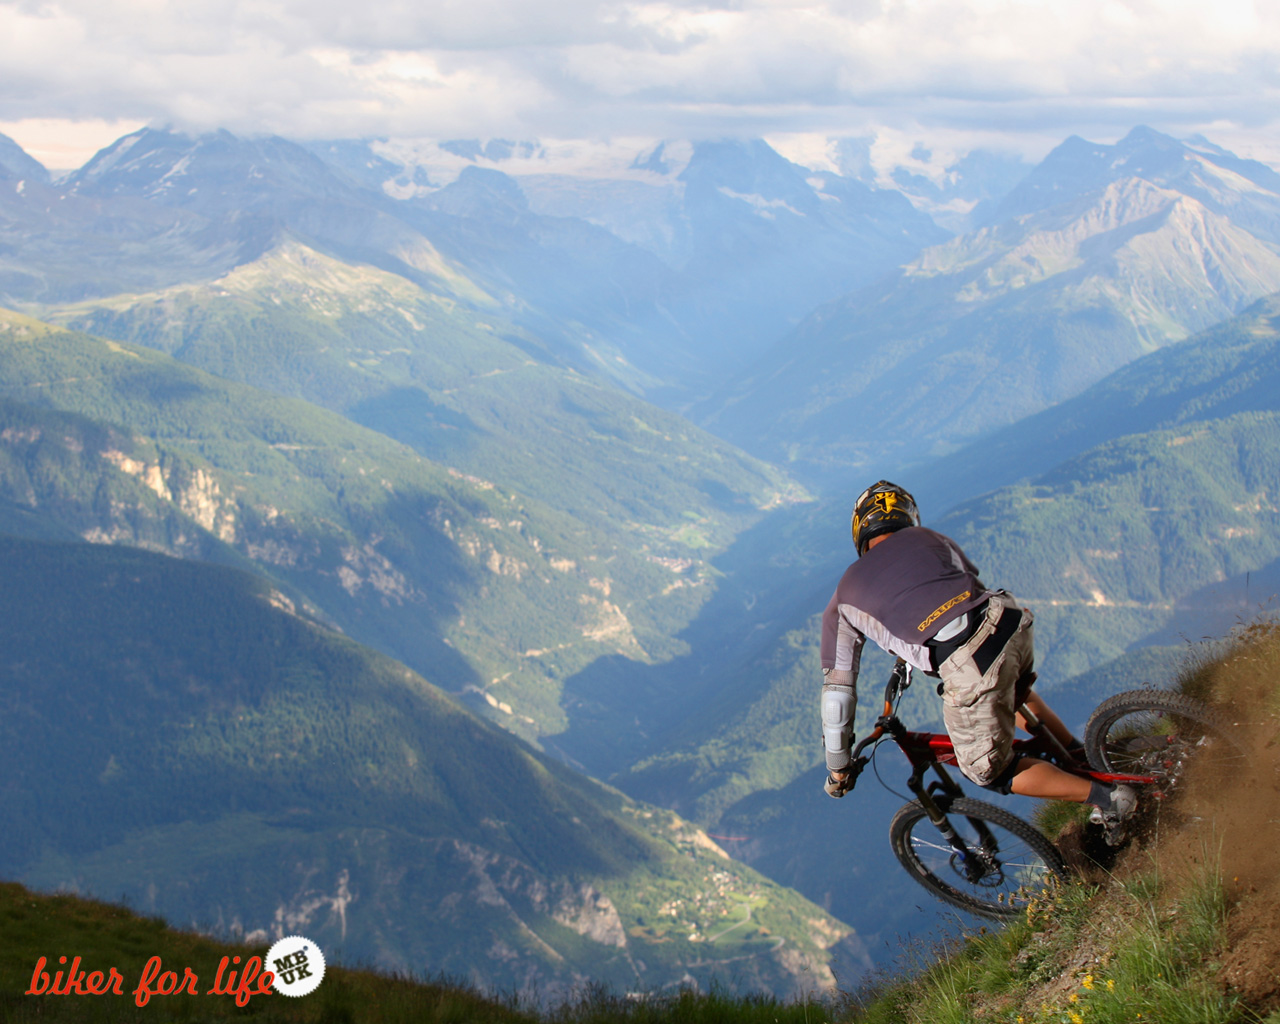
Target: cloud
(596,68)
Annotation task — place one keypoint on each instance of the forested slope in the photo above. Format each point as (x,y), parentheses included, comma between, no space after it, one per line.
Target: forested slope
(495,593)
(207,754)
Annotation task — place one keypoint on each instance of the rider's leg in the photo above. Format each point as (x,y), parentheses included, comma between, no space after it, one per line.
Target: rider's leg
(1031,777)
(1039,778)
(978,712)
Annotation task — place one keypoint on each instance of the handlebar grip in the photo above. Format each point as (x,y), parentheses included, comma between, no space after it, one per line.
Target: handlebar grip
(855,770)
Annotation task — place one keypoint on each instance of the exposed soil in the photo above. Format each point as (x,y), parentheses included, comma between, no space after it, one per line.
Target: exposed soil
(1229,822)
(1240,825)
(1219,820)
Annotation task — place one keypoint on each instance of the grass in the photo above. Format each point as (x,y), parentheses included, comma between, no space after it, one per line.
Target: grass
(1053,816)
(106,936)
(600,1006)
(1105,956)
(1162,968)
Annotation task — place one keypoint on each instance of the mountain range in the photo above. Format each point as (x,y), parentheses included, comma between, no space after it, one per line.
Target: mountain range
(761,240)
(1153,241)
(571,454)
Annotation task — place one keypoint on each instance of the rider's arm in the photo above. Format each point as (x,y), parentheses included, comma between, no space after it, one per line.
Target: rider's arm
(839,702)
(841,653)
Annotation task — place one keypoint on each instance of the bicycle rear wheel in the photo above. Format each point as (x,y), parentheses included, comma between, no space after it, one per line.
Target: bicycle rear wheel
(1155,732)
(1011,860)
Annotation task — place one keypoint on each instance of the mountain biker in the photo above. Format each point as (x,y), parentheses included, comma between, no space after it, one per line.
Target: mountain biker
(913,592)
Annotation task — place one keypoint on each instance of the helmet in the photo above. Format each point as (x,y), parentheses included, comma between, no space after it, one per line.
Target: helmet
(882,508)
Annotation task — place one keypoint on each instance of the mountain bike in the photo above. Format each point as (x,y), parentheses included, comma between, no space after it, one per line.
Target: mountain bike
(988,861)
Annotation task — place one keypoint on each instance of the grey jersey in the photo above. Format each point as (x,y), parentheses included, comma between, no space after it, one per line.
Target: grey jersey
(900,594)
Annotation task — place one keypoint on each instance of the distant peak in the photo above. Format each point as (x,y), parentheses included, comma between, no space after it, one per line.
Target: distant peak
(492,181)
(482,193)
(15,162)
(736,160)
(1144,136)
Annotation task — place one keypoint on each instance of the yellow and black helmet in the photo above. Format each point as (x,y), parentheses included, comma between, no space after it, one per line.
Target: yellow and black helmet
(882,508)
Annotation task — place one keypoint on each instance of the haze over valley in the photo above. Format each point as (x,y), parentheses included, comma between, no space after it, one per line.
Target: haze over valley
(453,516)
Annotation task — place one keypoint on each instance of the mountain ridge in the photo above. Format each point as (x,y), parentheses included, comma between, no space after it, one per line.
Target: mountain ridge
(398,550)
(993,326)
(215,202)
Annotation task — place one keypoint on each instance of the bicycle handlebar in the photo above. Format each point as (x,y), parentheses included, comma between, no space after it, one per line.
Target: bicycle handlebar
(899,680)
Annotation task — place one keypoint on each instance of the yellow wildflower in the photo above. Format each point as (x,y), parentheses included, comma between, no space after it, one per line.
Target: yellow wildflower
(1111,984)
(1075,1017)
(1088,982)
(1074,997)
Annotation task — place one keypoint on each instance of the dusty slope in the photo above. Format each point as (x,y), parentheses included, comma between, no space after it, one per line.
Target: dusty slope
(1221,824)
(1239,819)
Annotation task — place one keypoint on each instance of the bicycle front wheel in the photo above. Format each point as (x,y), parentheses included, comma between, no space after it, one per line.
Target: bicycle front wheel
(1008,862)
(1155,732)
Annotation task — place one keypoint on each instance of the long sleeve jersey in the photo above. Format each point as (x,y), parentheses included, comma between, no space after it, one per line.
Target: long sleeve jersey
(900,594)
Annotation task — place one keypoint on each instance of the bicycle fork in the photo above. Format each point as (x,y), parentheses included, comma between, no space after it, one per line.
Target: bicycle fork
(976,863)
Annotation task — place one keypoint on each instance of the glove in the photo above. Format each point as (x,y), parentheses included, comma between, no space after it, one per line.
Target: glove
(839,787)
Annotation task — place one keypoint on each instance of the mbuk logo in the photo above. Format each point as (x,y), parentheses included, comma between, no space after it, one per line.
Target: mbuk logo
(298,965)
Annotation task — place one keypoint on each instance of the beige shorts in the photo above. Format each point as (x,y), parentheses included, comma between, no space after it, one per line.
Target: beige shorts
(977,707)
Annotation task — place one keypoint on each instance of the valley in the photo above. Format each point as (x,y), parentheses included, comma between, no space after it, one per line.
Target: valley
(460,538)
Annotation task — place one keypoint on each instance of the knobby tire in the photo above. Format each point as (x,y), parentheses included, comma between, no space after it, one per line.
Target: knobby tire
(1155,732)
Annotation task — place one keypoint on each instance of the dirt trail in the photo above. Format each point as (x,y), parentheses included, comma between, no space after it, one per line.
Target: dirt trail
(1224,822)
(1239,820)
(1233,823)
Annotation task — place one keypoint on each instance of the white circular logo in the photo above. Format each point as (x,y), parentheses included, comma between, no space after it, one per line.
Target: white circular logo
(297,964)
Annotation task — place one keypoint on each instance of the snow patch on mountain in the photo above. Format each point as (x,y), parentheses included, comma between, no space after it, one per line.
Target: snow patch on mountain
(637,160)
(763,207)
(944,175)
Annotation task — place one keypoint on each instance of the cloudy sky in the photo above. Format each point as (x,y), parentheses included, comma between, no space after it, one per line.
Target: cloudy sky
(1015,74)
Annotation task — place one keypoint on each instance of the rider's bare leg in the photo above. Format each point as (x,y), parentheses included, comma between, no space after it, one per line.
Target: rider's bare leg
(1050,720)
(1039,778)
